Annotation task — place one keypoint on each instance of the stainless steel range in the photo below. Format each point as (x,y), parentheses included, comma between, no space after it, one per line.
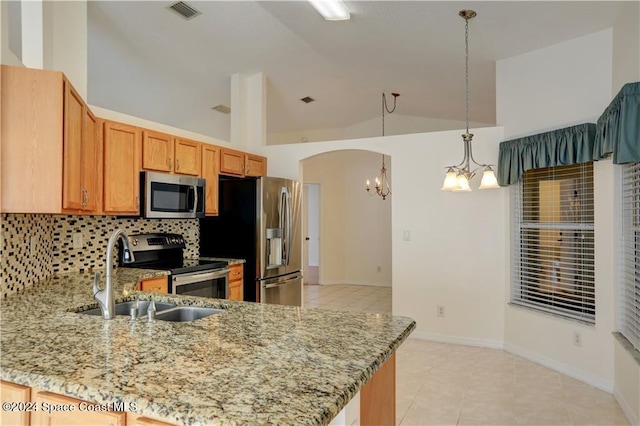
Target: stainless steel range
(193,277)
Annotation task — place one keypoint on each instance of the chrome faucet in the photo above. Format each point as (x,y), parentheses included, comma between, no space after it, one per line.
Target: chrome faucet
(104,296)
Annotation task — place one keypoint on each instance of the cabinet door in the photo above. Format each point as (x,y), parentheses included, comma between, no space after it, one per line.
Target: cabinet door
(210,165)
(137,420)
(157,151)
(155,285)
(10,392)
(255,165)
(235,292)
(74,113)
(187,155)
(72,418)
(121,168)
(231,162)
(90,159)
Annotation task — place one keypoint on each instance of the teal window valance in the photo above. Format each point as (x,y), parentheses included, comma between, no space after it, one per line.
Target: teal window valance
(618,129)
(571,145)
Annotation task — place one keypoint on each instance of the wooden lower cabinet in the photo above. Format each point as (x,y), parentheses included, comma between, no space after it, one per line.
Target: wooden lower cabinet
(378,396)
(236,282)
(74,416)
(138,420)
(12,393)
(154,285)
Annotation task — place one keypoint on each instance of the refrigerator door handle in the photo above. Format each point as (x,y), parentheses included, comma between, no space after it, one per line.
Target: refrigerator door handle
(296,278)
(284,219)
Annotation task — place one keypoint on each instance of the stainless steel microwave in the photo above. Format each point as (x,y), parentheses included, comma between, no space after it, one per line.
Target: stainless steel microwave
(166,196)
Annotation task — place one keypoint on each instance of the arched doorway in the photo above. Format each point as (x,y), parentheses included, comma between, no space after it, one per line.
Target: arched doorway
(354,232)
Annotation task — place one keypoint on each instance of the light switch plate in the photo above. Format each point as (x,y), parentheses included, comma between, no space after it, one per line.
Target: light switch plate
(406,235)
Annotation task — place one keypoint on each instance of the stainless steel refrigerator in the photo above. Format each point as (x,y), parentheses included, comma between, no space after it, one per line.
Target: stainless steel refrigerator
(260,220)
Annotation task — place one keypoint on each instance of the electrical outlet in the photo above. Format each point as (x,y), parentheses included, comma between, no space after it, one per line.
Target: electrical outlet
(440,311)
(33,245)
(406,235)
(77,241)
(577,338)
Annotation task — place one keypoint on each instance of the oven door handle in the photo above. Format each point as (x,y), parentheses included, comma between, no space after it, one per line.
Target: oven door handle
(194,278)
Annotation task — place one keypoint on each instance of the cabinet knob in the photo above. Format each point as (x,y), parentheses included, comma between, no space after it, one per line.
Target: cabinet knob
(177,164)
(170,160)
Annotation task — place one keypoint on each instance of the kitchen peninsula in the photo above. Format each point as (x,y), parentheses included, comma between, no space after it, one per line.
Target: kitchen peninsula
(252,364)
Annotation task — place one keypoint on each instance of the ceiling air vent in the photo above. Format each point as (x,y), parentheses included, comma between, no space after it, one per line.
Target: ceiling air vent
(222,108)
(307,99)
(184,10)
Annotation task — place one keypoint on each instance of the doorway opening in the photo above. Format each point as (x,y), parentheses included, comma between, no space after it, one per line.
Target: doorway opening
(311,224)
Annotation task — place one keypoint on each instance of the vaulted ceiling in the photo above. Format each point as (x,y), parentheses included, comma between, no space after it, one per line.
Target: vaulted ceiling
(146,61)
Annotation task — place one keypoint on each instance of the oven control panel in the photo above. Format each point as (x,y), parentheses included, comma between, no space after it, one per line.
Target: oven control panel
(143,242)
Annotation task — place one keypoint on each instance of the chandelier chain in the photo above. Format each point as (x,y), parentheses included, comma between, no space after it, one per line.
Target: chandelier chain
(466,69)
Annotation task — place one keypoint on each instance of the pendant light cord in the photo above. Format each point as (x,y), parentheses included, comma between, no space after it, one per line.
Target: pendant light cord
(466,69)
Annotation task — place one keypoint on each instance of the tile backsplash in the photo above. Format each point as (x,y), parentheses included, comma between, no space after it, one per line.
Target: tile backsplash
(33,247)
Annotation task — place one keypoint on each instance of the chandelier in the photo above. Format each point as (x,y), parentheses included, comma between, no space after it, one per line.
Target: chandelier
(457,177)
(383,187)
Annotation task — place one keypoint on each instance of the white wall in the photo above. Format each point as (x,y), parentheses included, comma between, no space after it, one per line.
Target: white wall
(355,228)
(395,124)
(65,41)
(549,89)
(6,55)
(456,256)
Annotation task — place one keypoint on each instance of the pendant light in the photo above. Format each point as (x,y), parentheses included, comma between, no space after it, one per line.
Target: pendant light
(383,187)
(457,177)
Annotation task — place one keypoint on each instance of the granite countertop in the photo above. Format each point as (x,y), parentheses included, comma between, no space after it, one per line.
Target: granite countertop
(253,364)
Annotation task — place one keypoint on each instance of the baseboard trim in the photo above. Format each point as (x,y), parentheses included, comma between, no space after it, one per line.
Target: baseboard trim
(560,367)
(626,408)
(457,340)
(367,283)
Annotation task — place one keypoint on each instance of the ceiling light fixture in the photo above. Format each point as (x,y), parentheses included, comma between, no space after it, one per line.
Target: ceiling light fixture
(331,10)
(457,177)
(383,187)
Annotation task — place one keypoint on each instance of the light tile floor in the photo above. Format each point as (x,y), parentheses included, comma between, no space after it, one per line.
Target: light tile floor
(442,384)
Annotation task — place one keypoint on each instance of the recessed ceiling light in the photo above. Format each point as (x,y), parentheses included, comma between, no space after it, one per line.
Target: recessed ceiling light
(307,99)
(222,108)
(331,10)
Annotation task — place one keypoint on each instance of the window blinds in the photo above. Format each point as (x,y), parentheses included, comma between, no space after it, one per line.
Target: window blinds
(553,241)
(629,294)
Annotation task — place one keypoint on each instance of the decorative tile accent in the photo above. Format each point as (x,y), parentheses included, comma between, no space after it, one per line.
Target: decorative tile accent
(53,244)
(26,250)
(96,230)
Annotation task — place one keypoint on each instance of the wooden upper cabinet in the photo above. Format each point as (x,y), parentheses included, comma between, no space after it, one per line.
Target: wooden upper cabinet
(210,167)
(238,163)
(157,151)
(255,165)
(31,140)
(121,168)
(49,145)
(231,162)
(91,155)
(80,151)
(187,157)
(74,112)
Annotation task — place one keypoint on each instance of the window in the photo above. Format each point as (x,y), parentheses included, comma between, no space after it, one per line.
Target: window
(553,241)
(629,294)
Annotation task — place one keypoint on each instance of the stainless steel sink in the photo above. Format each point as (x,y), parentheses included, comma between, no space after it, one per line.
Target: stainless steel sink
(186,313)
(124,308)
